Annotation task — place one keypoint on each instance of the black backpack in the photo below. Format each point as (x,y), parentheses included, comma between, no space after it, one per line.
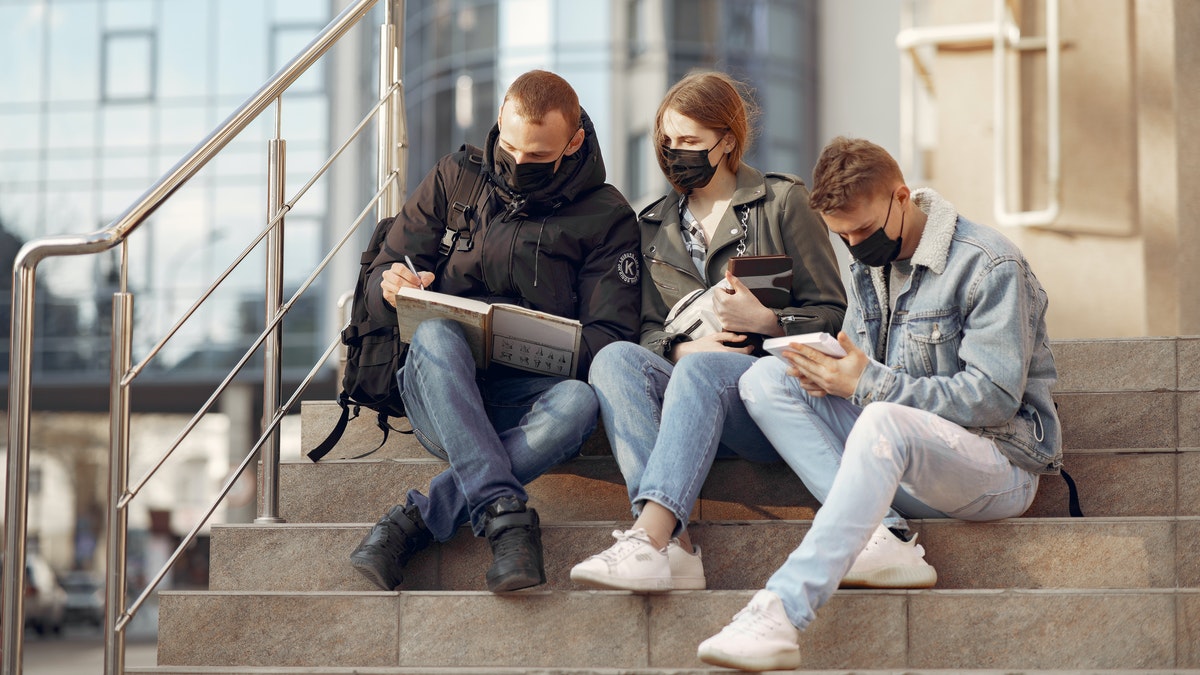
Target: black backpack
(374,351)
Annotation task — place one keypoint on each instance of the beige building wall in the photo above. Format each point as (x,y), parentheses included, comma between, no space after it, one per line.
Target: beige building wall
(1120,258)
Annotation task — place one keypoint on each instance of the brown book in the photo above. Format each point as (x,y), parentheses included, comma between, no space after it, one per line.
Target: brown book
(498,333)
(769,277)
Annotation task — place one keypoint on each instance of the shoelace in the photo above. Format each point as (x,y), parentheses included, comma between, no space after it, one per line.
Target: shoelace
(753,620)
(511,541)
(626,542)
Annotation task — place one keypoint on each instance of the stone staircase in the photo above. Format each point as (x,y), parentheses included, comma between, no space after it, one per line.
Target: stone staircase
(1118,590)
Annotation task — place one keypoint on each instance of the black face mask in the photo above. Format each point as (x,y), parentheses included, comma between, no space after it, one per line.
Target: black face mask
(688,169)
(529,176)
(878,249)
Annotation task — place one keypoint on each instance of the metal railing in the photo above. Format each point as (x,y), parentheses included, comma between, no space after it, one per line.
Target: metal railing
(388,113)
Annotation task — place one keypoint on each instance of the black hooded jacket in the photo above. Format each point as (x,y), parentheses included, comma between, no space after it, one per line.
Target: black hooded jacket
(570,249)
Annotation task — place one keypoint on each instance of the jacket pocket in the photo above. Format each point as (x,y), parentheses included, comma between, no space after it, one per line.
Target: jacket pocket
(933,341)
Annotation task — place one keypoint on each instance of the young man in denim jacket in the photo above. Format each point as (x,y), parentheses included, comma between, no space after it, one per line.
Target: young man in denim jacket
(940,408)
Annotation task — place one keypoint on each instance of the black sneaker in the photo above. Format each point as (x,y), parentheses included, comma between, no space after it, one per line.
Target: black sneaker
(516,539)
(383,553)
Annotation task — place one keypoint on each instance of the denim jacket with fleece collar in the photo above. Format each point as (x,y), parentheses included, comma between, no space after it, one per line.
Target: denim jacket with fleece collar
(967,340)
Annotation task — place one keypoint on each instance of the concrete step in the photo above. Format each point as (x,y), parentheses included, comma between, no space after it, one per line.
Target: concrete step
(711,670)
(1137,482)
(1031,553)
(939,629)
(1112,394)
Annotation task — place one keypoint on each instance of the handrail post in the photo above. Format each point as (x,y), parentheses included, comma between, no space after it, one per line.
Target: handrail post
(389,75)
(118,483)
(16,511)
(273,347)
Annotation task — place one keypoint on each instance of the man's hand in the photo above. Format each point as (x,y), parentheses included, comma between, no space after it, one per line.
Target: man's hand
(399,276)
(738,310)
(821,374)
(709,343)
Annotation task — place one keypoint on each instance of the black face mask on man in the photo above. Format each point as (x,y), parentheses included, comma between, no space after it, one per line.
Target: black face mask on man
(688,169)
(526,177)
(878,249)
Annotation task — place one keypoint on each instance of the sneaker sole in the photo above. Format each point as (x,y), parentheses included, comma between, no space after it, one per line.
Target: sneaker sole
(650,585)
(369,573)
(688,583)
(908,576)
(515,581)
(782,661)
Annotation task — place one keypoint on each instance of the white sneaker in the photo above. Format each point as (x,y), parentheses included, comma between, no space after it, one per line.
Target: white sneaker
(888,562)
(631,564)
(687,570)
(760,637)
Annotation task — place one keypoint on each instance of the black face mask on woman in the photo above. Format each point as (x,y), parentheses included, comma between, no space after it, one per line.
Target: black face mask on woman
(529,176)
(878,249)
(688,169)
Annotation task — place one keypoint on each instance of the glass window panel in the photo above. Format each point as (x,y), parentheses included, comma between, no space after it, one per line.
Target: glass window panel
(78,169)
(129,64)
(117,167)
(316,11)
(185,56)
(286,43)
(242,57)
(305,118)
(20,44)
(69,211)
(72,129)
(19,213)
(19,174)
(19,131)
(74,46)
(784,42)
(181,128)
(302,250)
(126,126)
(128,14)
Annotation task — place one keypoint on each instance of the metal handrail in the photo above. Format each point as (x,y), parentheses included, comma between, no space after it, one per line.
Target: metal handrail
(392,143)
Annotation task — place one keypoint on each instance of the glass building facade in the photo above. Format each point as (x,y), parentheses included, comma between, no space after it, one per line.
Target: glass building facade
(98,99)
(621,56)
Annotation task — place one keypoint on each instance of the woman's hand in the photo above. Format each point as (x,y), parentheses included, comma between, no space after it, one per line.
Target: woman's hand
(738,310)
(709,343)
(399,276)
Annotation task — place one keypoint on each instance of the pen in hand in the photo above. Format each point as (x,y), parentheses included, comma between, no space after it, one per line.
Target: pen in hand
(413,268)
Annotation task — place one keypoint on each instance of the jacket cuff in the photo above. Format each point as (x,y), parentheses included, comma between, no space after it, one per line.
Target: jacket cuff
(874,384)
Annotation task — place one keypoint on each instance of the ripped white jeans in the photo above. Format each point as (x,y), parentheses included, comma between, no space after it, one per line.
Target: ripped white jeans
(879,463)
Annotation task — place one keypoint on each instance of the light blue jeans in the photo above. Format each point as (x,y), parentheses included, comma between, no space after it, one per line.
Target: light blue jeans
(869,465)
(499,429)
(667,423)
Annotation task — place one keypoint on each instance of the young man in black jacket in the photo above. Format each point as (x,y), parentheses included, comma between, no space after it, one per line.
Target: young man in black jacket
(546,232)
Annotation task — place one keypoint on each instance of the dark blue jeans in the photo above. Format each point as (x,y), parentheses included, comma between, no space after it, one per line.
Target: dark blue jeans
(498,430)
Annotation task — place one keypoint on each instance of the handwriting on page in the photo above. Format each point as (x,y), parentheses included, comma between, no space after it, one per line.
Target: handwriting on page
(531,355)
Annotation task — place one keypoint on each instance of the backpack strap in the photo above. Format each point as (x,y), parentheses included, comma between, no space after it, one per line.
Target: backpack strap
(335,434)
(461,203)
(1072,496)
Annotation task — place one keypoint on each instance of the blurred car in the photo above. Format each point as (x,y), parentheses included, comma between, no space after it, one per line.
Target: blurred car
(45,599)
(85,599)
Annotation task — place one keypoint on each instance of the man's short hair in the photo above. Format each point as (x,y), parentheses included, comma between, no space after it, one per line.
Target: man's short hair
(716,101)
(538,92)
(850,169)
